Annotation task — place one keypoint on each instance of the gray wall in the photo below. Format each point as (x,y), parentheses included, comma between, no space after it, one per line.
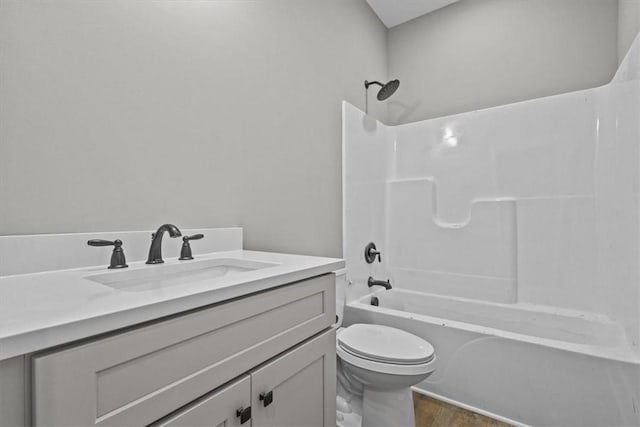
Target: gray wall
(122,115)
(481,53)
(628,25)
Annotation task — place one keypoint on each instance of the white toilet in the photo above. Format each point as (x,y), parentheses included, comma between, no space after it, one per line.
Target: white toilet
(381,363)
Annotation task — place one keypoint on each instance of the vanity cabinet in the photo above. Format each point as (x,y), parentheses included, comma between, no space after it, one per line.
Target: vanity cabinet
(291,390)
(200,367)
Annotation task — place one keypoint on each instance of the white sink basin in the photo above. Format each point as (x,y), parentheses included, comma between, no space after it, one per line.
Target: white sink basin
(153,277)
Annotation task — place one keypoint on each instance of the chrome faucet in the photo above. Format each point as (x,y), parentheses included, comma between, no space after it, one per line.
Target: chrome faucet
(155,251)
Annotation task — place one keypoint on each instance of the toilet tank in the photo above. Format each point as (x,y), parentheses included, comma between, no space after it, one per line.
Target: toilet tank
(341,294)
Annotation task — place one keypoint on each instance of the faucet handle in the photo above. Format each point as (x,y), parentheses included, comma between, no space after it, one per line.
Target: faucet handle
(185,252)
(193,237)
(117,257)
(371,252)
(100,242)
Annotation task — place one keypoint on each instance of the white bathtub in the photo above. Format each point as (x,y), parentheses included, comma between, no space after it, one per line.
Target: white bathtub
(525,364)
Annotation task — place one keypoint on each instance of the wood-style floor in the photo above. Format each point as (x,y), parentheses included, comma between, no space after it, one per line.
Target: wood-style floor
(435,413)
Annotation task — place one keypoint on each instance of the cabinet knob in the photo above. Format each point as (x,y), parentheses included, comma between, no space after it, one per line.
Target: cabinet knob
(244,414)
(266,398)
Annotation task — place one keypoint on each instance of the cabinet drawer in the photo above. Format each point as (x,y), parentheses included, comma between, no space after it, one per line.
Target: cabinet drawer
(141,375)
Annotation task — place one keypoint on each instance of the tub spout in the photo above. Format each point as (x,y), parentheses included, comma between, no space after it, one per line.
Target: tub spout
(374,282)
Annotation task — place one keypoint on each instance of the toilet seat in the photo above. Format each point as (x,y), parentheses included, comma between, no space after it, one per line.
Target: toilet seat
(385,344)
(385,368)
(384,349)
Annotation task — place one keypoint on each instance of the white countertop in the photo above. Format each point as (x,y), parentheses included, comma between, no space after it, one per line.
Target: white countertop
(45,309)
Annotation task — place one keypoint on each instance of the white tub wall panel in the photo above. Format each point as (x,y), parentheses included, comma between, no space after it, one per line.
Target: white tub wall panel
(572,145)
(629,68)
(617,188)
(365,146)
(561,136)
(625,91)
(530,149)
(366,152)
(461,172)
(44,252)
(540,148)
(617,203)
(459,285)
(482,246)
(466,256)
(557,254)
(545,147)
(366,207)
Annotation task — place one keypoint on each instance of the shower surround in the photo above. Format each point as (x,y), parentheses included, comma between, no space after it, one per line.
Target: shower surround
(513,237)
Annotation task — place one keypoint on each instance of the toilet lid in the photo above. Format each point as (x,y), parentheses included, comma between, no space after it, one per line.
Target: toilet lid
(385,344)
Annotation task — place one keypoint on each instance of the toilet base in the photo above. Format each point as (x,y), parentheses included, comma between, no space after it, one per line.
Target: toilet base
(388,408)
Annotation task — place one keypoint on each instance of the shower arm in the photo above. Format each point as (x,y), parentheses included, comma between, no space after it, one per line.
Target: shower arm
(368,83)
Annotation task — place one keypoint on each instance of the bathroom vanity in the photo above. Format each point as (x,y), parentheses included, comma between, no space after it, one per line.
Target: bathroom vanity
(253,348)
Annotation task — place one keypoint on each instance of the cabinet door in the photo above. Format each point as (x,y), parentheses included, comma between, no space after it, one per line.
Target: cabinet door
(302,383)
(219,408)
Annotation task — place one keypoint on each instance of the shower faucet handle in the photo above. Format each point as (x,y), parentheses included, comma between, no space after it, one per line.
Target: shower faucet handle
(371,252)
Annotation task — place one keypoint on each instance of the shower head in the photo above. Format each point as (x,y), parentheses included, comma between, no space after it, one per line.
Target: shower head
(386,90)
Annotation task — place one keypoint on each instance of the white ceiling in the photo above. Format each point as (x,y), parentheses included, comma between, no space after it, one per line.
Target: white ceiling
(396,12)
